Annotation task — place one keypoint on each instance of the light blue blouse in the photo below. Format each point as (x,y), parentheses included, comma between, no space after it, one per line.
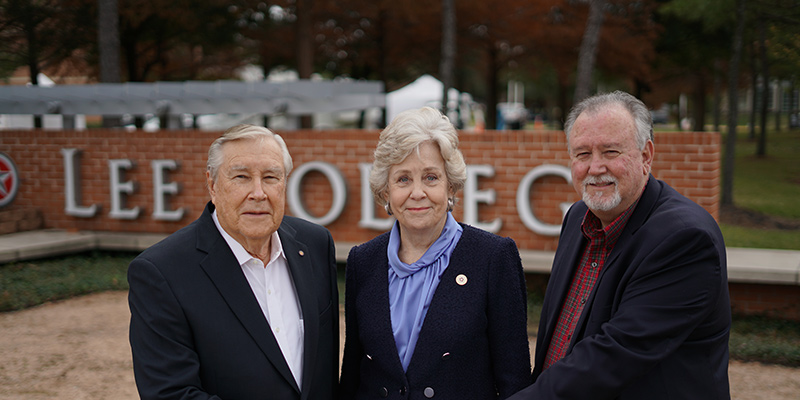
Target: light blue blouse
(411,286)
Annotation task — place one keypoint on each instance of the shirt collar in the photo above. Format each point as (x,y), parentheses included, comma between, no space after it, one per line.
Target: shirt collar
(592,227)
(242,256)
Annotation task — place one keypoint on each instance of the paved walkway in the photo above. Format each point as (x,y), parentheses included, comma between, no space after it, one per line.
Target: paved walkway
(744,265)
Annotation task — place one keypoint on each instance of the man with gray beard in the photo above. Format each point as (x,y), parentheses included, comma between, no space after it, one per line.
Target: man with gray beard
(637,304)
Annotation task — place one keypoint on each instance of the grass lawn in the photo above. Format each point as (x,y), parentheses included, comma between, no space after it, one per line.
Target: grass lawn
(25,284)
(769,186)
(29,283)
(738,236)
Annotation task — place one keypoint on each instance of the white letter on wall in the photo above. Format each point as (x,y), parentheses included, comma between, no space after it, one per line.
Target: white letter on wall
(115,169)
(72,188)
(161,189)
(472,196)
(524,207)
(338,187)
(368,219)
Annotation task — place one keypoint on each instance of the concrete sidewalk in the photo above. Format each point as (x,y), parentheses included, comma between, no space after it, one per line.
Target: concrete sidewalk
(53,242)
(766,266)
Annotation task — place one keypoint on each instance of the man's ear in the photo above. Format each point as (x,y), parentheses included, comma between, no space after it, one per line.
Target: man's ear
(647,156)
(210,185)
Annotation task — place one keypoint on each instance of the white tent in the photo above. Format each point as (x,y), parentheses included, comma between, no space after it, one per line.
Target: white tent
(425,91)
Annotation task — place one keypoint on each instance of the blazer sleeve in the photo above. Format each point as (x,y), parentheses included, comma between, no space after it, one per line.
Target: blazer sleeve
(351,360)
(507,313)
(164,362)
(675,283)
(334,315)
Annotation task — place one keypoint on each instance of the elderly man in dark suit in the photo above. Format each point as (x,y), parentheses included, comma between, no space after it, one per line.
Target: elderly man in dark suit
(637,305)
(243,302)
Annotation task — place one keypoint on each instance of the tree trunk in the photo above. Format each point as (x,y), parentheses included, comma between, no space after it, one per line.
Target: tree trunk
(761,147)
(382,46)
(753,96)
(305,48)
(588,50)
(491,92)
(449,44)
(563,102)
(33,56)
(793,106)
(131,57)
(699,106)
(108,46)
(733,106)
(778,106)
(717,93)
(108,40)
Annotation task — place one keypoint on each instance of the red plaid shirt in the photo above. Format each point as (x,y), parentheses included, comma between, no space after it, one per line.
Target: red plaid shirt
(600,243)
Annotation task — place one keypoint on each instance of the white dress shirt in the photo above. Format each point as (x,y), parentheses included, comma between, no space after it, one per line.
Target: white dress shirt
(274,289)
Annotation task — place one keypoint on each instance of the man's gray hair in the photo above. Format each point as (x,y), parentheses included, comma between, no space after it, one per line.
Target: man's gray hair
(243,132)
(641,115)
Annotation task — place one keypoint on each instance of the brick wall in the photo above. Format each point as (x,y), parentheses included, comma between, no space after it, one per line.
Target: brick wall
(688,161)
(781,301)
(17,218)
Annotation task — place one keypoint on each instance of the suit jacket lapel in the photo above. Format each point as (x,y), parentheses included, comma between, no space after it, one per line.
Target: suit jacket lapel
(376,288)
(443,298)
(567,257)
(222,268)
(640,215)
(300,267)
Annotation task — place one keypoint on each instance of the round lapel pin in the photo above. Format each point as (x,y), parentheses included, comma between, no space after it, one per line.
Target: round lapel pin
(301,253)
(461,279)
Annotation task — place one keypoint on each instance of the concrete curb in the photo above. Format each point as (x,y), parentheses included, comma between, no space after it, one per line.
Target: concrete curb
(765,266)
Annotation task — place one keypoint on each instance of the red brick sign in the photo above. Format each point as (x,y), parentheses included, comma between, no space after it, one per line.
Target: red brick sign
(517,186)
(9,180)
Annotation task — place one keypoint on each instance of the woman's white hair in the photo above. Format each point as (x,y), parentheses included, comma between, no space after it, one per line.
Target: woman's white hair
(407,131)
(244,132)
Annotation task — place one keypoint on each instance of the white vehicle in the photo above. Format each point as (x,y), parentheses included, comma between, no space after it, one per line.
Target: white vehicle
(514,115)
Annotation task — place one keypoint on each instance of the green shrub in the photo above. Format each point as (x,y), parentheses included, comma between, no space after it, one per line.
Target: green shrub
(29,283)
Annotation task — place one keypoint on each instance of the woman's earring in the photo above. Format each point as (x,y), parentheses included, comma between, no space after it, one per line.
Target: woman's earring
(387,208)
(450,203)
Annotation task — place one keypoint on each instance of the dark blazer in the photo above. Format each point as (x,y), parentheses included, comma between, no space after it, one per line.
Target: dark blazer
(197,331)
(473,343)
(656,324)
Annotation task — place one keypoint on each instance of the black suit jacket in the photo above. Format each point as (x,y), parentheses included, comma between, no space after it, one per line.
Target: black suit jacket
(656,324)
(473,343)
(197,331)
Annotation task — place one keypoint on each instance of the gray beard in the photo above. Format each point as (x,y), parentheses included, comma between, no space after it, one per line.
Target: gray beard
(599,203)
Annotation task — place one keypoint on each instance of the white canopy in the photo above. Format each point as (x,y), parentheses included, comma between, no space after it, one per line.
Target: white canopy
(425,91)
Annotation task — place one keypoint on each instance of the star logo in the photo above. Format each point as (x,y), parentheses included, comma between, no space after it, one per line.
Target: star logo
(9,180)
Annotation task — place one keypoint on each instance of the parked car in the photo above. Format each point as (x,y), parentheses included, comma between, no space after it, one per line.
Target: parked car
(512,115)
(661,115)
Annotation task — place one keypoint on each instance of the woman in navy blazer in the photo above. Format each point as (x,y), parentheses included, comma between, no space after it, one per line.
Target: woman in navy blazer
(434,308)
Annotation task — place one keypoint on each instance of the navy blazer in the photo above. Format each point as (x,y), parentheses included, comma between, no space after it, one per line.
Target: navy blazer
(656,324)
(473,343)
(197,331)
